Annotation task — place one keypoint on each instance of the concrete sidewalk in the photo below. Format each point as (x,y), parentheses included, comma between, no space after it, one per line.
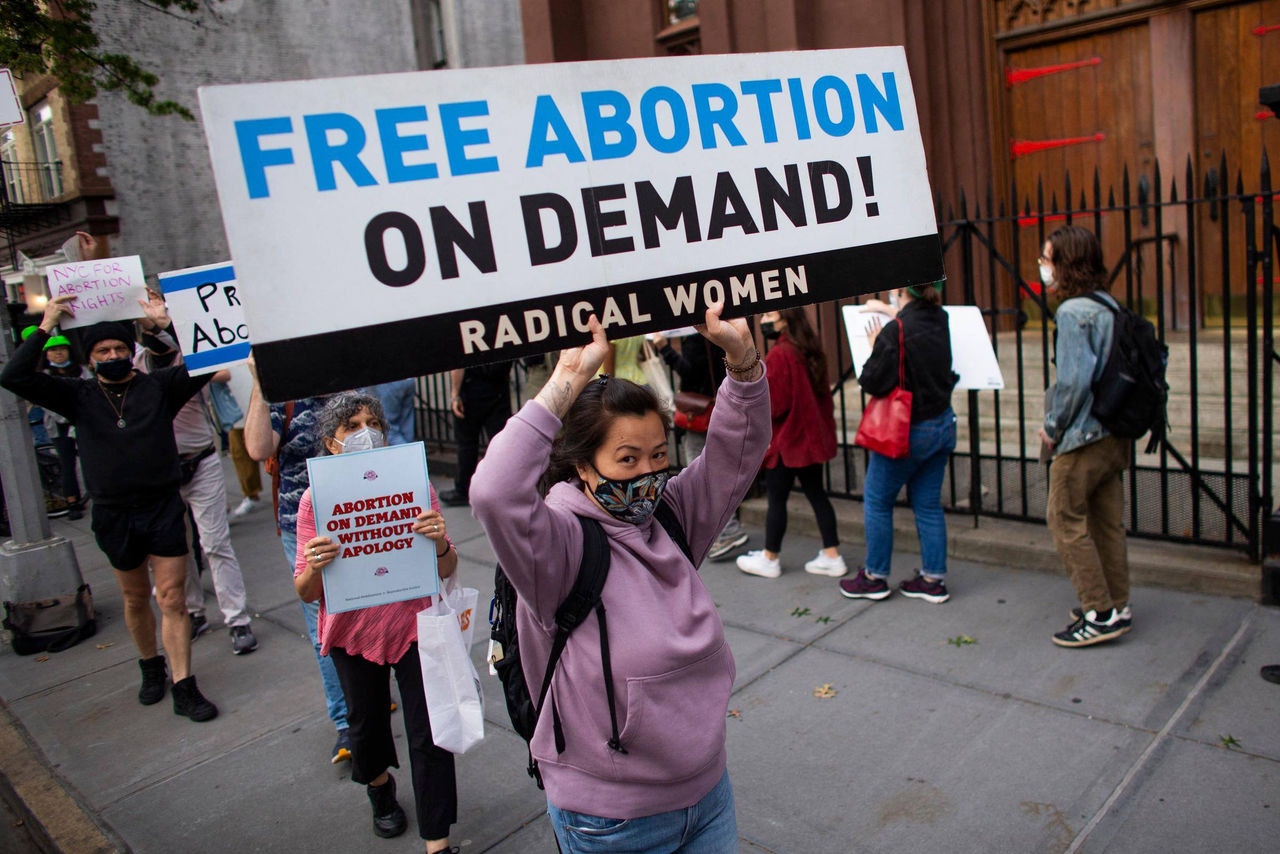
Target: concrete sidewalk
(855,726)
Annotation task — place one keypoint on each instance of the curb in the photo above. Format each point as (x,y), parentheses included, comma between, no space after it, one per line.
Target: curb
(1028,545)
(59,823)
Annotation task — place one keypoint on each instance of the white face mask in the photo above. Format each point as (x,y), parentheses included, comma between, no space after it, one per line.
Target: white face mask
(364,439)
(1046,276)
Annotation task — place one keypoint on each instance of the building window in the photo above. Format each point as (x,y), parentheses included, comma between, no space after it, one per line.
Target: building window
(9,163)
(46,151)
(680,34)
(678,10)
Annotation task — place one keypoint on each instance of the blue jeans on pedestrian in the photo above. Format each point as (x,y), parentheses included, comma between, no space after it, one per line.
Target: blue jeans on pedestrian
(333,696)
(921,472)
(708,827)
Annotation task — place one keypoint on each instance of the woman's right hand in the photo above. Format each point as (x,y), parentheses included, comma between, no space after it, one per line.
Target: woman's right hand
(577,367)
(320,552)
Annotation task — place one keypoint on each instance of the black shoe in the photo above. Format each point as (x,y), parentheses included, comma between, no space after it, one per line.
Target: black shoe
(199,625)
(153,680)
(189,702)
(1092,628)
(1270,672)
(76,511)
(454,498)
(243,640)
(388,818)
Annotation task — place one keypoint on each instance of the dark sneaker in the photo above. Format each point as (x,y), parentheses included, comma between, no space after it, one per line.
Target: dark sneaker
(153,680)
(1126,616)
(922,588)
(189,702)
(454,498)
(1092,628)
(727,544)
(388,818)
(199,625)
(1270,672)
(863,586)
(341,748)
(242,640)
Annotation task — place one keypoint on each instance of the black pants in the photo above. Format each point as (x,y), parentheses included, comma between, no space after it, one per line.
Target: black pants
(368,691)
(487,412)
(65,444)
(777,484)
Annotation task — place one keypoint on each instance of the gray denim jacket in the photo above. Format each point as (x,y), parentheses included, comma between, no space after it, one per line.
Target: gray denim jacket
(1083,341)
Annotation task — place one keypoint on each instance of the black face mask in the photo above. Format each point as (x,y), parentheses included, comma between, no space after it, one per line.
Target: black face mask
(113,370)
(769,331)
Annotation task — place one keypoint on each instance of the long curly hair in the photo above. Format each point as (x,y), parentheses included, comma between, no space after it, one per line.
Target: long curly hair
(588,422)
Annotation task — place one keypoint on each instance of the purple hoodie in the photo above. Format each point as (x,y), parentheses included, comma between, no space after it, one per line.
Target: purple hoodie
(672,667)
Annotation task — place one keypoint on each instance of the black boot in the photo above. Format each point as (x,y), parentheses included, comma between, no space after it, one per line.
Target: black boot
(188,701)
(153,680)
(388,819)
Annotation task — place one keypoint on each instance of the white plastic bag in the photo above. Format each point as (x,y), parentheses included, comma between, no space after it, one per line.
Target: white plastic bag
(655,376)
(455,699)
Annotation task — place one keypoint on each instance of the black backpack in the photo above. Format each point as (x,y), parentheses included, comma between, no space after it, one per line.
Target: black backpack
(1130,394)
(583,598)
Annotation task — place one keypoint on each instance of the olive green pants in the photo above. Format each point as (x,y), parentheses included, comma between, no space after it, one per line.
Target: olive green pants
(1086,517)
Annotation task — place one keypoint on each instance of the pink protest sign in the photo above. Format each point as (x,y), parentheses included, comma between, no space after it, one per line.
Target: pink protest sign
(108,289)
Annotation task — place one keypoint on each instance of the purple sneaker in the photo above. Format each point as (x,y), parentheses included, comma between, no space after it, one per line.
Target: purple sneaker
(922,588)
(863,586)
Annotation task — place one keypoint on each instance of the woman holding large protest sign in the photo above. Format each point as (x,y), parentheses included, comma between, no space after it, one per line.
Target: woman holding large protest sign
(367,645)
(633,760)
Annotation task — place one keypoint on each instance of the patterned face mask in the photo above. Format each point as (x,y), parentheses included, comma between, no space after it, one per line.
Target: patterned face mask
(631,500)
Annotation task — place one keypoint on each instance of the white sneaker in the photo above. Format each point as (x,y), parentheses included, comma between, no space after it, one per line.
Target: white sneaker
(245,507)
(755,563)
(823,565)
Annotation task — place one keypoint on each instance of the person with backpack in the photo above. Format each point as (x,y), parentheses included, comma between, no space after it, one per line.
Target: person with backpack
(633,755)
(1085,510)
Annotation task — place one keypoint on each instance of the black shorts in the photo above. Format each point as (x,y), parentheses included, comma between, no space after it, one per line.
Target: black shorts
(129,533)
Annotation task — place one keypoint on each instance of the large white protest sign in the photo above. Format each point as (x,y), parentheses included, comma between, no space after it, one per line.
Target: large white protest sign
(108,289)
(10,104)
(972,356)
(483,214)
(208,319)
(366,503)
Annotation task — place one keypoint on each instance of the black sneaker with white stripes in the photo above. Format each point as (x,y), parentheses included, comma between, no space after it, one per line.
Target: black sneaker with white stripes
(1093,628)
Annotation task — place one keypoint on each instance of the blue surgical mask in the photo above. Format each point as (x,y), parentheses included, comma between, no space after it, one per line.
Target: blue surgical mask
(66,363)
(364,439)
(632,500)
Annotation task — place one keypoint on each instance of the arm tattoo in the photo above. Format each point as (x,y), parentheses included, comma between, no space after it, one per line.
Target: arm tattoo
(557,399)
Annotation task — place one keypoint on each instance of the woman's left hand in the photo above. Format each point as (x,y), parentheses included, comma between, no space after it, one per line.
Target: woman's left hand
(732,336)
(431,525)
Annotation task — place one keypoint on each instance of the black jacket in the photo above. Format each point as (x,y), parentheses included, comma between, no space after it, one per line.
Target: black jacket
(121,464)
(698,363)
(930,379)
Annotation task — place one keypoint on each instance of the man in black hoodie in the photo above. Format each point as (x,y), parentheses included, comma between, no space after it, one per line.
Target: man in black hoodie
(124,424)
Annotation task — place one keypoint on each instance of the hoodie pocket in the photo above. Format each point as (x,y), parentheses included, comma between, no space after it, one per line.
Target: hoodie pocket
(675,723)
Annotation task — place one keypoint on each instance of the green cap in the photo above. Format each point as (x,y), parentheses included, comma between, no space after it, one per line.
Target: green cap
(57,341)
(28,332)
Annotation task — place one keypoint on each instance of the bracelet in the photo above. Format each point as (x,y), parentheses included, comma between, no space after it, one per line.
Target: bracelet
(746,366)
(447,546)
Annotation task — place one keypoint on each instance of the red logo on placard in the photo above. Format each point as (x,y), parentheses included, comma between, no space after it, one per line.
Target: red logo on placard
(371,475)
(382,570)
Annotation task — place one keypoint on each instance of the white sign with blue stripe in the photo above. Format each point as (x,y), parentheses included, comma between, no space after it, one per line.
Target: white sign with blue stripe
(208,318)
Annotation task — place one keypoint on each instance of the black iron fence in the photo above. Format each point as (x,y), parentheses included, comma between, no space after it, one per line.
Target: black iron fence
(1195,258)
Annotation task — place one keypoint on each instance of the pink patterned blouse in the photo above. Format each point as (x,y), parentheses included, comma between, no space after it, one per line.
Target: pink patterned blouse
(381,634)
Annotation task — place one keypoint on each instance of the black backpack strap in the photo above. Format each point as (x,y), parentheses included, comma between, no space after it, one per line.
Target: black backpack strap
(582,598)
(667,518)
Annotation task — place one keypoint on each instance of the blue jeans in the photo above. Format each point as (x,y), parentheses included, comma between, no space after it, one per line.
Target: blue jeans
(708,827)
(921,472)
(333,696)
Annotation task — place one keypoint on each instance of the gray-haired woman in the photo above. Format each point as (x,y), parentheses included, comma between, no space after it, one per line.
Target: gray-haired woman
(369,644)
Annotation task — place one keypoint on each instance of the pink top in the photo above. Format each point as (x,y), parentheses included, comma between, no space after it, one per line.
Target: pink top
(381,634)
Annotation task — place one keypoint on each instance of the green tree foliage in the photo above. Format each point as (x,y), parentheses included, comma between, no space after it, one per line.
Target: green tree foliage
(56,37)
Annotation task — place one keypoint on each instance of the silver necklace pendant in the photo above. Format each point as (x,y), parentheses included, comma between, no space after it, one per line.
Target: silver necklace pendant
(120,423)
